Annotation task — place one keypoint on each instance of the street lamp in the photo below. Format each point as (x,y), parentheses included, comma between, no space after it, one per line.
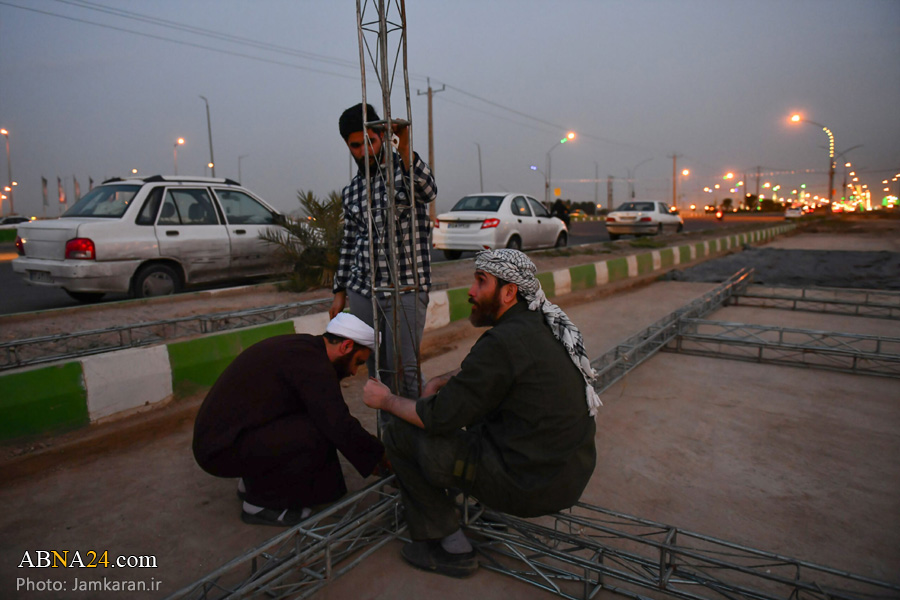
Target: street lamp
(12,208)
(178,142)
(212,161)
(569,136)
(797,119)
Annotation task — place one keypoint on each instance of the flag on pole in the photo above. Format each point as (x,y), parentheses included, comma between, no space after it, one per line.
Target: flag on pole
(44,190)
(62,192)
(77,189)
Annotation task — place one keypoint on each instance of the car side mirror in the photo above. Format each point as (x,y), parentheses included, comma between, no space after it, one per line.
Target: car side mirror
(279,219)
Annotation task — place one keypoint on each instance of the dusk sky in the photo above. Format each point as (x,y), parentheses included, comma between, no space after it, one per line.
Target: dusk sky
(94,89)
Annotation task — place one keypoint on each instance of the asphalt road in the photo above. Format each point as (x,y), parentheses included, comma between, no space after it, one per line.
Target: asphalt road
(17,296)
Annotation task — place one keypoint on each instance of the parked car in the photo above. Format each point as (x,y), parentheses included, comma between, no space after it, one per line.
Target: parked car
(13,220)
(489,221)
(150,237)
(793,213)
(643,218)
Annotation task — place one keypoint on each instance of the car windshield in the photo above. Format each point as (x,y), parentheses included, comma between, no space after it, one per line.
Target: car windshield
(484,203)
(636,206)
(107,201)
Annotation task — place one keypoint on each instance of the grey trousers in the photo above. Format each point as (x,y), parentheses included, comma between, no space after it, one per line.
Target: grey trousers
(411,317)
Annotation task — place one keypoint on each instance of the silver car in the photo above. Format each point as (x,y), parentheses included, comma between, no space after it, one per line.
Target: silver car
(150,237)
(643,218)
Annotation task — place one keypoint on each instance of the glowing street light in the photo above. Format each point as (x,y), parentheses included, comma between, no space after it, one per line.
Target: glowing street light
(797,119)
(178,142)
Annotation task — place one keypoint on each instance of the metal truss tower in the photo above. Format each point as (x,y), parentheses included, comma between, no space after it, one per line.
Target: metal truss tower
(381,26)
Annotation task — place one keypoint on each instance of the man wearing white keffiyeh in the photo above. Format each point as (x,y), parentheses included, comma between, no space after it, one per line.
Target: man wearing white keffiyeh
(513,266)
(510,427)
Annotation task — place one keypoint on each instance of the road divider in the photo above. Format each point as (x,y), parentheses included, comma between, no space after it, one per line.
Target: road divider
(68,395)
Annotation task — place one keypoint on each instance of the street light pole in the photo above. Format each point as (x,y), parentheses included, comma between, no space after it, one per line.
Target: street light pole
(631,174)
(178,142)
(242,156)
(569,136)
(797,119)
(212,161)
(480,177)
(12,208)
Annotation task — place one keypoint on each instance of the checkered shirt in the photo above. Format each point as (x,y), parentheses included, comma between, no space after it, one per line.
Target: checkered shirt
(353,267)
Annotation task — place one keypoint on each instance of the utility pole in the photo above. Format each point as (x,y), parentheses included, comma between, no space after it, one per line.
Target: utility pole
(212,161)
(596,184)
(431,93)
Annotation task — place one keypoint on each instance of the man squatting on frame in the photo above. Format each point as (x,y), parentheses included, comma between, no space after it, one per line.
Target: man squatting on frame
(276,418)
(514,426)
(354,280)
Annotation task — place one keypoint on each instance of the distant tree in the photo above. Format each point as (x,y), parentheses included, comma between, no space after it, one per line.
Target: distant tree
(311,244)
(726,203)
(768,205)
(750,201)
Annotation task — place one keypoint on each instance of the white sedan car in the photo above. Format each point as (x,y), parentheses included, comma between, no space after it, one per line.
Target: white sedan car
(150,237)
(643,218)
(489,221)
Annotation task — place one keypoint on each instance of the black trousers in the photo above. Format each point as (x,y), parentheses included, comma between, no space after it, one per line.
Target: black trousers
(286,464)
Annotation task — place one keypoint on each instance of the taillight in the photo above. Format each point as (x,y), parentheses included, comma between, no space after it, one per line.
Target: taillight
(610,219)
(437,223)
(20,246)
(80,248)
(645,219)
(488,223)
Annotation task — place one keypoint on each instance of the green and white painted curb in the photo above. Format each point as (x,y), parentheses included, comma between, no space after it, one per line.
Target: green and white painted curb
(73,394)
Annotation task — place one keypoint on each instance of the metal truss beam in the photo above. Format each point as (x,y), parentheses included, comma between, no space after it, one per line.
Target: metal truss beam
(578,553)
(613,365)
(862,303)
(844,352)
(300,561)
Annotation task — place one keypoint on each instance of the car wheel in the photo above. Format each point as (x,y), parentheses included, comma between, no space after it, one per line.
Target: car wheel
(452,254)
(86,297)
(659,229)
(156,280)
(680,228)
(614,236)
(515,242)
(561,240)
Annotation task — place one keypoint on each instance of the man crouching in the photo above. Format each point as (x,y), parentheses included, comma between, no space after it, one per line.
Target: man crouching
(513,427)
(276,418)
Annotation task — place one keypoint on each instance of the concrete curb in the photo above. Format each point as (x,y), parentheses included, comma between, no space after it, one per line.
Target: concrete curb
(64,396)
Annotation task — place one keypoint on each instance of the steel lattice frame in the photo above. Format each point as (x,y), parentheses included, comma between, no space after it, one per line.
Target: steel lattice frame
(298,562)
(844,352)
(863,303)
(381,27)
(587,549)
(615,364)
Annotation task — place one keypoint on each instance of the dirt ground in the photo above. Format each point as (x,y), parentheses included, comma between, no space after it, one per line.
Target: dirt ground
(799,462)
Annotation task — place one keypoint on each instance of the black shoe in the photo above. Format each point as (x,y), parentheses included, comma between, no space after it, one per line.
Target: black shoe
(430,556)
(276,518)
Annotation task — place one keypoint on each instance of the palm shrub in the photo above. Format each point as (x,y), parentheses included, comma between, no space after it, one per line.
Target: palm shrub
(310,245)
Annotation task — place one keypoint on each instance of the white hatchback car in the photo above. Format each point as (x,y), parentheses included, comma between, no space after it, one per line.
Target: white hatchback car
(489,221)
(150,237)
(643,218)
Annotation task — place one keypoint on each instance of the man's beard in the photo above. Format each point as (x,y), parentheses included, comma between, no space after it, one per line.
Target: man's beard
(342,365)
(484,314)
(373,162)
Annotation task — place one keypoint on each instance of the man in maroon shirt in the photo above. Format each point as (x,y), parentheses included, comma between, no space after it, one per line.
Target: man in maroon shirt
(276,418)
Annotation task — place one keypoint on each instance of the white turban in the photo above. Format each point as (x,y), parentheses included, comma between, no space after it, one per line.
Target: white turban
(347,326)
(515,267)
